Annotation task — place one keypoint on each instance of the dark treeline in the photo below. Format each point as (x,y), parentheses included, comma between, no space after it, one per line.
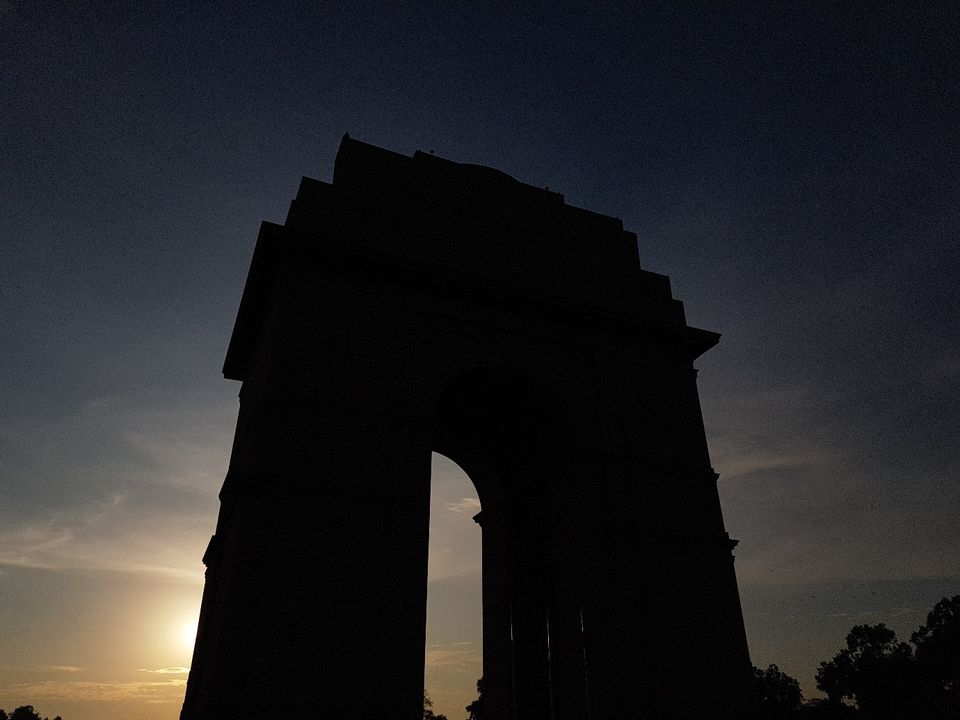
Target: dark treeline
(877,677)
(24,712)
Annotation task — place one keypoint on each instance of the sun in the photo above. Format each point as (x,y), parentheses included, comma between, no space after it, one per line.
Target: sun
(188,633)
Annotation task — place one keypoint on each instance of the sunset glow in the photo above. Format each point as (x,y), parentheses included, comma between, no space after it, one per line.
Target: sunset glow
(188,633)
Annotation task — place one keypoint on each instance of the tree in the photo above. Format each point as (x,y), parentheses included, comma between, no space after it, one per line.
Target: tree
(428,709)
(825,710)
(938,657)
(25,712)
(875,672)
(476,707)
(779,694)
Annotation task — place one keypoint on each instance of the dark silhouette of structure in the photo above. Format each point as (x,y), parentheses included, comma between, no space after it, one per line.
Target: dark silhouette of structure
(417,305)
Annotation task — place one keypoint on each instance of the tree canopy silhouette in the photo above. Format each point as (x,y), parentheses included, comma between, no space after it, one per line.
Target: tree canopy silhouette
(476,707)
(779,694)
(938,656)
(877,677)
(875,671)
(24,712)
(428,713)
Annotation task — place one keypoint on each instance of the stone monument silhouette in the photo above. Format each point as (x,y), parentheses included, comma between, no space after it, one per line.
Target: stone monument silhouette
(414,305)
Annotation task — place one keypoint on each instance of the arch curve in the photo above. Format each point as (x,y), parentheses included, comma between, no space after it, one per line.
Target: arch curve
(505,428)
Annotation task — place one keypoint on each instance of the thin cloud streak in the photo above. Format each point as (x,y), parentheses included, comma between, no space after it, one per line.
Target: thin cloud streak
(87,539)
(465,505)
(159,472)
(457,655)
(161,691)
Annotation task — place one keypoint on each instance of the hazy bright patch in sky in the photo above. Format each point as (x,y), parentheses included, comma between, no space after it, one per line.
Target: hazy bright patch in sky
(795,171)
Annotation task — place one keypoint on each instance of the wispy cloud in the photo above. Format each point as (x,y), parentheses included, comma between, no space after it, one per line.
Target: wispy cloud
(465,505)
(65,668)
(107,535)
(457,655)
(737,463)
(173,670)
(150,491)
(161,691)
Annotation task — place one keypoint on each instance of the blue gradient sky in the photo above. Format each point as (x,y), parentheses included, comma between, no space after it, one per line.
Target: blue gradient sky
(793,169)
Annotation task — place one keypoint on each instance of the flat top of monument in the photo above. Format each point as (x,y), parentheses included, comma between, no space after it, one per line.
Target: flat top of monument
(472,188)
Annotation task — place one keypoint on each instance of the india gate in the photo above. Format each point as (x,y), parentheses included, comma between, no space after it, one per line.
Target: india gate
(414,305)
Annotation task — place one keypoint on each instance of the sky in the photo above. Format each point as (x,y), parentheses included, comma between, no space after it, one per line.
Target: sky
(793,168)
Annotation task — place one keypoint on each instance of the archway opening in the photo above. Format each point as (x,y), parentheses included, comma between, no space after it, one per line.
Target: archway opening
(511,435)
(454,633)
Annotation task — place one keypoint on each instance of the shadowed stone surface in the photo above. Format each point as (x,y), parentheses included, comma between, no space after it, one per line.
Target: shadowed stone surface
(416,305)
